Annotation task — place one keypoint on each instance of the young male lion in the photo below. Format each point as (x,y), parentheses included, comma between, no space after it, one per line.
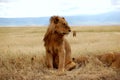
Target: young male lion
(58,51)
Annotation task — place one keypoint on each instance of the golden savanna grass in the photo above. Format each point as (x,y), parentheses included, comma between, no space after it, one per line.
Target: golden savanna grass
(22,53)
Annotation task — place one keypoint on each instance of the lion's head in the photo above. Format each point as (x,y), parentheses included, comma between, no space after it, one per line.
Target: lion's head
(59,25)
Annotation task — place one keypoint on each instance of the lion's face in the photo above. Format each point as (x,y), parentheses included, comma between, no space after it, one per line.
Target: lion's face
(61,25)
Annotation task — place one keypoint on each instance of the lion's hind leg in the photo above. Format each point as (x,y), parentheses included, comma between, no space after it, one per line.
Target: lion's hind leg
(69,64)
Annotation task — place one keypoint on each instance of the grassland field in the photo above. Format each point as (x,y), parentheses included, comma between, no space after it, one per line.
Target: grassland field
(22,53)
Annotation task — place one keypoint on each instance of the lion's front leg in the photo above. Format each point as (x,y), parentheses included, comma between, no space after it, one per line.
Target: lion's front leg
(49,60)
(61,65)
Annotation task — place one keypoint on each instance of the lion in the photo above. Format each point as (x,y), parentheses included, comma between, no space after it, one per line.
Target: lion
(58,50)
(116,62)
(110,59)
(81,60)
(107,58)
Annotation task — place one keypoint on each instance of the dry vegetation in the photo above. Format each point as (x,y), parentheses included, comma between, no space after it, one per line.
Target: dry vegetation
(22,53)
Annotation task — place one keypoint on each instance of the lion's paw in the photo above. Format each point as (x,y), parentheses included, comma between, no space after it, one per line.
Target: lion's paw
(70,66)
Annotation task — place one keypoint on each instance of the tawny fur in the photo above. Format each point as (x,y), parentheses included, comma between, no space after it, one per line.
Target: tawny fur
(110,59)
(58,51)
(81,60)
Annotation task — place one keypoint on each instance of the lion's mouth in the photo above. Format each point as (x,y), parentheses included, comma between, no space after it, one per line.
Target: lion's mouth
(64,33)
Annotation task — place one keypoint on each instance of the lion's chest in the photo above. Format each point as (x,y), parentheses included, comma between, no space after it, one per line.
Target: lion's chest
(55,48)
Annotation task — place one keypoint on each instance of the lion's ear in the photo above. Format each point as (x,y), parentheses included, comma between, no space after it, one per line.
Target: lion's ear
(56,20)
(73,59)
(63,17)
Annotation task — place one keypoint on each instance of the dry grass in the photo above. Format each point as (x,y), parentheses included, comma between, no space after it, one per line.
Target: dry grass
(22,53)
